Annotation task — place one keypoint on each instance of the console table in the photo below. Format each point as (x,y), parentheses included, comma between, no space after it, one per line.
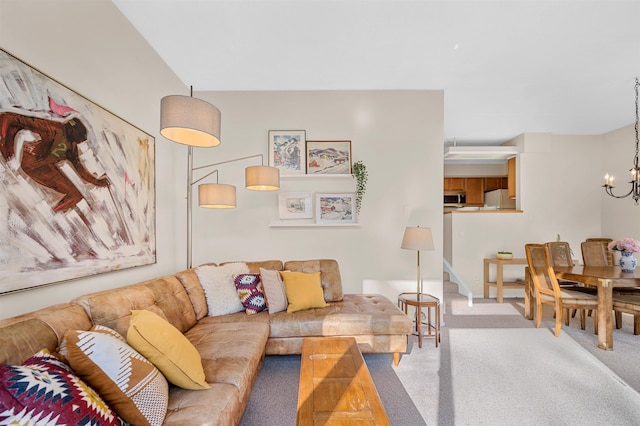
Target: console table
(499,283)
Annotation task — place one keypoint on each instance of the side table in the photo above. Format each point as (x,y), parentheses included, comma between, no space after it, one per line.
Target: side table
(499,283)
(419,301)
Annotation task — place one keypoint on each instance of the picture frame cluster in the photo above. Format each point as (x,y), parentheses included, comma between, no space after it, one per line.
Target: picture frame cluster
(325,208)
(294,155)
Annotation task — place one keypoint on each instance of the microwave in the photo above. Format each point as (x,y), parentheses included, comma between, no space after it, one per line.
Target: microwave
(455,199)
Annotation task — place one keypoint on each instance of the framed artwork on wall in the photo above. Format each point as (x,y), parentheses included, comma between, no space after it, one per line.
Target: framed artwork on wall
(329,157)
(335,208)
(78,196)
(286,151)
(295,205)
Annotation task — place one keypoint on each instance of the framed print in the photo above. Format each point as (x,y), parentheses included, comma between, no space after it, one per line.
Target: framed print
(329,157)
(78,184)
(295,205)
(286,151)
(335,208)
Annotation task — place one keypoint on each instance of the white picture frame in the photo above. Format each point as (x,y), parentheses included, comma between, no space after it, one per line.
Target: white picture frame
(335,208)
(295,205)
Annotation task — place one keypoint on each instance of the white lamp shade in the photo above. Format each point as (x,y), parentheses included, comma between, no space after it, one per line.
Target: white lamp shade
(416,238)
(189,121)
(262,178)
(217,196)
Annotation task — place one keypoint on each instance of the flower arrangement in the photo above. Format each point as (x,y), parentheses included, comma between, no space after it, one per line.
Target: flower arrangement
(628,245)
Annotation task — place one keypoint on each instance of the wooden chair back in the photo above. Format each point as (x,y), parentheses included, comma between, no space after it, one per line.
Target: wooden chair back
(605,244)
(593,254)
(560,253)
(541,270)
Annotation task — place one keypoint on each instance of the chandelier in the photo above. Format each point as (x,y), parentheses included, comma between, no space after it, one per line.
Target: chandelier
(635,171)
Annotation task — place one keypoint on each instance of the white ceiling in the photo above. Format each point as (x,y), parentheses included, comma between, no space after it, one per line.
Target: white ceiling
(506,67)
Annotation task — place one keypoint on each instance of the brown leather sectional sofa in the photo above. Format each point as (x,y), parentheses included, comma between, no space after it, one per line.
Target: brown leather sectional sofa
(232,347)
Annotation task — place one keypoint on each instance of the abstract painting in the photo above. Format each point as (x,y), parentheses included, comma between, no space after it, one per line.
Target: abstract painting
(78,184)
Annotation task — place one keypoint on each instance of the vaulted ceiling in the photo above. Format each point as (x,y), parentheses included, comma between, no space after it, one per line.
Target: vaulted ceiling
(506,66)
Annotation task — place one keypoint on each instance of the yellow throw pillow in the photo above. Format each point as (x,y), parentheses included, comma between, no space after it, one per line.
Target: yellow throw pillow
(167,348)
(304,291)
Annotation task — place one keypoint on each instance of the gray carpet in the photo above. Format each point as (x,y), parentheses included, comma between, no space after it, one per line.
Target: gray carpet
(530,377)
(483,374)
(274,396)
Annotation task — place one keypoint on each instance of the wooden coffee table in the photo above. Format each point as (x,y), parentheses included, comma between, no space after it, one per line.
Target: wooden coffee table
(335,385)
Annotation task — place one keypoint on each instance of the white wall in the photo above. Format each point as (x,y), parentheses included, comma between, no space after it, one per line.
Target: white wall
(91,48)
(619,217)
(398,135)
(559,189)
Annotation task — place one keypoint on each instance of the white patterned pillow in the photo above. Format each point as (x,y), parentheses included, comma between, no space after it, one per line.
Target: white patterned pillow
(219,289)
(127,381)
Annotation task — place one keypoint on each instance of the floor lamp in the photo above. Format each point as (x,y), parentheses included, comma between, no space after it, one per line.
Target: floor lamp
(222,196)
(196,123)
(416,238)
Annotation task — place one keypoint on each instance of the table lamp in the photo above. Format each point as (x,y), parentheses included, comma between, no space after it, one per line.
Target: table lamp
(416,238)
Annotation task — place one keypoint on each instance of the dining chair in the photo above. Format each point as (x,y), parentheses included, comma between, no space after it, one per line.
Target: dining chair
(548,291)
(560,252)
(628,303)
(605,244)
(594,254)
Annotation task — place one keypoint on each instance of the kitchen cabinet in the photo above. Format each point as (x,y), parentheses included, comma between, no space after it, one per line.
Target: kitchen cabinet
(474,188)
(511,178)
(454,184)
(493,183)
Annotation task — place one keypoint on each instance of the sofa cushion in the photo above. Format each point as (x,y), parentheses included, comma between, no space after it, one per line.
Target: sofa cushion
(303,290)
(24,335)
(167,349)
(44,390)
(189,280)
(112,308)
(274,290)
(217,282)
(355,315)
(329,275)
(250,292)
(231,354)
(127,381)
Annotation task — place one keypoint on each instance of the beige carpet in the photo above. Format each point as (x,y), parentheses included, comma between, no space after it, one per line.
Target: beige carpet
(529,376)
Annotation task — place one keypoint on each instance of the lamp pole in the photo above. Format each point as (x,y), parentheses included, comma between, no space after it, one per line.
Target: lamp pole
(189,206)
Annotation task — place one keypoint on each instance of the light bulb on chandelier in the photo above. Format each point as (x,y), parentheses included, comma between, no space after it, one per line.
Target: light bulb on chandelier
(635,171)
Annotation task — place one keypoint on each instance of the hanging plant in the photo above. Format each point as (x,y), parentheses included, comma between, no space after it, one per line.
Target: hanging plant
(360,175)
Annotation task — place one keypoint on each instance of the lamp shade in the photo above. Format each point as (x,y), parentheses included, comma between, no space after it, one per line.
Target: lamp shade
(262,178)
(217,196)
(416,238)
(189,121)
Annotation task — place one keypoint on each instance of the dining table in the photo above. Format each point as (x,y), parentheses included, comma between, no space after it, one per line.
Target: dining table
(605,279)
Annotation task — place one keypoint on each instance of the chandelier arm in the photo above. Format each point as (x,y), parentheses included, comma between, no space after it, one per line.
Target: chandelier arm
(609,190)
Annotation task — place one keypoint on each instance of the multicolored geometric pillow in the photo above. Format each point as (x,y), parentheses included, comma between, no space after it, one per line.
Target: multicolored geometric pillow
(128,382)
(44,391)
(250,292)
